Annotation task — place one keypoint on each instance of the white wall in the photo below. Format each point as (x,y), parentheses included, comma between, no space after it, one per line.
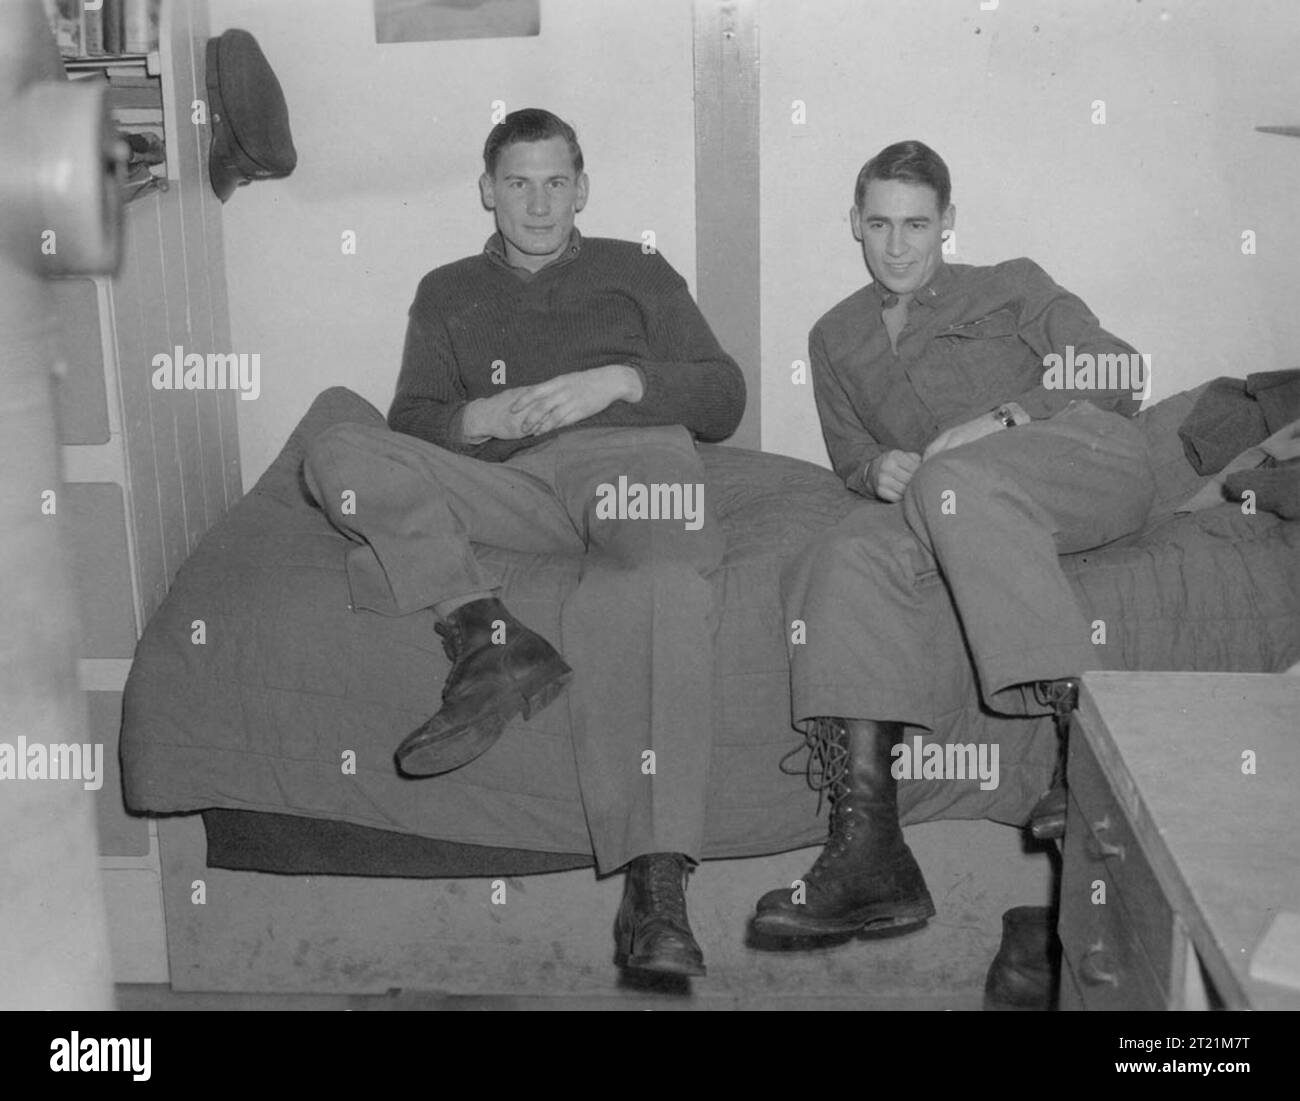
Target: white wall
(1141,216)
(390,142)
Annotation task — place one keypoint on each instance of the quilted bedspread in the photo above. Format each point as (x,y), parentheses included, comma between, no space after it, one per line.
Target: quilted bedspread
(290,681)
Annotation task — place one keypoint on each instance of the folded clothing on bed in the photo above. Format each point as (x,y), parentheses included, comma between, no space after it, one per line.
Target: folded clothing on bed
(1232,415)
(1276,488)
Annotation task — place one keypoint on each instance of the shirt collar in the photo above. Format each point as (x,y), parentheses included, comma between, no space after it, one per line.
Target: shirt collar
(495,250)
(931,294)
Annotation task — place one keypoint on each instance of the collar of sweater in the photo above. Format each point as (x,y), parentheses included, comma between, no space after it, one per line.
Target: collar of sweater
(495,251)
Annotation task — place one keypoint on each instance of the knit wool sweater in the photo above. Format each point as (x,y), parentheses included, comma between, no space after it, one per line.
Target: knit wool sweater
(479,326)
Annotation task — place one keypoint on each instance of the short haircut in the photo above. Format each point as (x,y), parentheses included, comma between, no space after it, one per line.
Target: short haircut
(529,124)
(909,161)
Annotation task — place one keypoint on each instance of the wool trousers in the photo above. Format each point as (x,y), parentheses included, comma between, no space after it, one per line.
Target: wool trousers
(638,630)
(990,519)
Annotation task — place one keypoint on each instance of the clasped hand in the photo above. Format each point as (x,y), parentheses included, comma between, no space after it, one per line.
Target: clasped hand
(557,402)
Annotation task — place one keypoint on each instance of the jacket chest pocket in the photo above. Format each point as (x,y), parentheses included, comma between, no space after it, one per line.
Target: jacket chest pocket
(995,326)
(981,357)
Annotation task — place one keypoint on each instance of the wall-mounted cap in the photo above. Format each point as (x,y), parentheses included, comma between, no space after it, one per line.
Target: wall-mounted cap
(249,118)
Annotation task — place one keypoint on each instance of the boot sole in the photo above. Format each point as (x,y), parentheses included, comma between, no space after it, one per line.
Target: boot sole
(1033,993)
(879,918)
(1047,819)
(660,966)
(457,747)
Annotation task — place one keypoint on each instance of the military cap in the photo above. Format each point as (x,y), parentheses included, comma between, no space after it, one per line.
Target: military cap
(248,115)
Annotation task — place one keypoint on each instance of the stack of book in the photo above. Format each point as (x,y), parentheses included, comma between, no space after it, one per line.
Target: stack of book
(111,28)
(135,100)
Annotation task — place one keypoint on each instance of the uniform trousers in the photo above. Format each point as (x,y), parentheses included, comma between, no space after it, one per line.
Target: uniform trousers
(991,518)
(638,630)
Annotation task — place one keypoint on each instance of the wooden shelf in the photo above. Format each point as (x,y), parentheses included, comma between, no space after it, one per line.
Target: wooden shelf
(150,62)
(136,118)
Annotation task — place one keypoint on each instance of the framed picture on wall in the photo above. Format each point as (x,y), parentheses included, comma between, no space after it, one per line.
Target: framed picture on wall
(434,20)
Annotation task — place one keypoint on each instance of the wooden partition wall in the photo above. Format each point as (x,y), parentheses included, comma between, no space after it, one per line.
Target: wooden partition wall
(148,470)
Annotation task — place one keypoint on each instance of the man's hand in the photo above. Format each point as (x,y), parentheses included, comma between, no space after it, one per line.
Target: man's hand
(492,418)
(972,430)
(567,399)
(887,475)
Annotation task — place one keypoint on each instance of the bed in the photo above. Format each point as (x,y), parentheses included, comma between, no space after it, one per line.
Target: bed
(255,684)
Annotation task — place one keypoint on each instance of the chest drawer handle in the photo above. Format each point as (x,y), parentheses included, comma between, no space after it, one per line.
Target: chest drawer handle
(1097,844)
(1097,968)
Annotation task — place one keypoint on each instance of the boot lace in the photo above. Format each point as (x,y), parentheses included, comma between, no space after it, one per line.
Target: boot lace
(666,886)
(839,837)
(826,769)
(450,638)
(1061,696)
(453,644)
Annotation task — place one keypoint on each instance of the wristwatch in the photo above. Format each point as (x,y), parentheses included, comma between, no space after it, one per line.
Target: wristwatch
(1005,415)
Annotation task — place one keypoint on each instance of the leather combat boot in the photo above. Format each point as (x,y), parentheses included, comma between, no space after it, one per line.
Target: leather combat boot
(1025,972)
(866,877)
(489,684)
(1047,819)
(652,932)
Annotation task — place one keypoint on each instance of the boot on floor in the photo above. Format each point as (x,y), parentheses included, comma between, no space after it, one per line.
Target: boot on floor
(1025,972)
(866,878)
(500,669)
(652,931)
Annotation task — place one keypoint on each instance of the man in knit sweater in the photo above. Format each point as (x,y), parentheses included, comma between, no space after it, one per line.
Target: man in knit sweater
(537,376)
